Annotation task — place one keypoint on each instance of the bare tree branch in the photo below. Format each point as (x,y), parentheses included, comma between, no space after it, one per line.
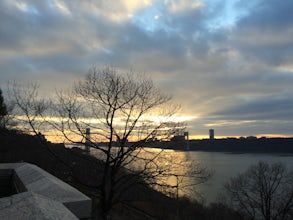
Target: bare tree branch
(264,191)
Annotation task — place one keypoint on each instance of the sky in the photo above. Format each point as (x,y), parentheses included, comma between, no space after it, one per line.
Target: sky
(229,63)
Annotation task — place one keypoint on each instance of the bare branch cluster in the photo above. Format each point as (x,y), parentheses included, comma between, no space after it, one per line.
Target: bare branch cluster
(124,112)
(29,104)
(264,191)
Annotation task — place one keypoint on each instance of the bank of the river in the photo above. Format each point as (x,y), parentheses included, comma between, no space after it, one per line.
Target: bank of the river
(237,145)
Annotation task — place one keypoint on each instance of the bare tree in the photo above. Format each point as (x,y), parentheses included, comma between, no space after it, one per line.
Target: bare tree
(30,106)
(3,111)
(123,112)
(6,113)
(264,191)
(118,105)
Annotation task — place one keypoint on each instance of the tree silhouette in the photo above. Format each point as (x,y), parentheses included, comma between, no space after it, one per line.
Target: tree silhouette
(3,111)
(264,191)
(125,112)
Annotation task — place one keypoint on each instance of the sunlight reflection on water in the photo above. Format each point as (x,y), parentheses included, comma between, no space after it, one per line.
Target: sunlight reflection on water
(223,165)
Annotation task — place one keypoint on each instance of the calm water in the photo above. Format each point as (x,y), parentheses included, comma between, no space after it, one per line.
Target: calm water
(226,165)
(223,165)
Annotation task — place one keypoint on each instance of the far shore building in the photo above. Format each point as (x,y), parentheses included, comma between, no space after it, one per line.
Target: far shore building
(212,134)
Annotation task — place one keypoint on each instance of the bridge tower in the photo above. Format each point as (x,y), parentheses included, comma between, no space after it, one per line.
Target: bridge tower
(186,138)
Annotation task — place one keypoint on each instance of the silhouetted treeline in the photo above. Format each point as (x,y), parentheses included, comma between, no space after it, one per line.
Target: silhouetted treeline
(260,145)
(241,145)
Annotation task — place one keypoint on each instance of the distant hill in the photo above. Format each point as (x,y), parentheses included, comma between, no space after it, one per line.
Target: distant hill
(62,162)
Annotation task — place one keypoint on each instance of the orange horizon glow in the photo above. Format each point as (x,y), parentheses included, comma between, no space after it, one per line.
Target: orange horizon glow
(206,136)
(61,139)
(52,137)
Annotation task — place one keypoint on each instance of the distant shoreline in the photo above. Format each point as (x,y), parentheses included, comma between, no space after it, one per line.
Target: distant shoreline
(228,145)
(232,145)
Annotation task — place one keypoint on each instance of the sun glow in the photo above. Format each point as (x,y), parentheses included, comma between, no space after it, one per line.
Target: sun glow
(229,122)
(97,126)
(155,119)
(158,119)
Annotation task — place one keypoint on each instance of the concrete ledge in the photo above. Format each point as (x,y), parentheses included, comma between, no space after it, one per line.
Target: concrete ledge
(37,188)
(29,206)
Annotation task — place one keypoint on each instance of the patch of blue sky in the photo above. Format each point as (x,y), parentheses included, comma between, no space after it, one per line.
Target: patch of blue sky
(218,14)
(30,9)
(225,13)
(152,19)
(107,51)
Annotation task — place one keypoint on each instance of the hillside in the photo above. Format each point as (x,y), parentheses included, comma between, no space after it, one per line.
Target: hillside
(82,171)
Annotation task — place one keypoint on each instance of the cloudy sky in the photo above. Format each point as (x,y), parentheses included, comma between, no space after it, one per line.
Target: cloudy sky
(228,62)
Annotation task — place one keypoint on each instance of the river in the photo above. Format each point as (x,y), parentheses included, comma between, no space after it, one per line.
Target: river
(226,165)
(223,166)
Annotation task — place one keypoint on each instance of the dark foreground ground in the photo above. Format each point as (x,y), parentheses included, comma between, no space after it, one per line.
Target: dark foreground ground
(82,171)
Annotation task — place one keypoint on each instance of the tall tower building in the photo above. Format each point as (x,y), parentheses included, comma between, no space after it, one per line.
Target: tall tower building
(212,134)
(87,139)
